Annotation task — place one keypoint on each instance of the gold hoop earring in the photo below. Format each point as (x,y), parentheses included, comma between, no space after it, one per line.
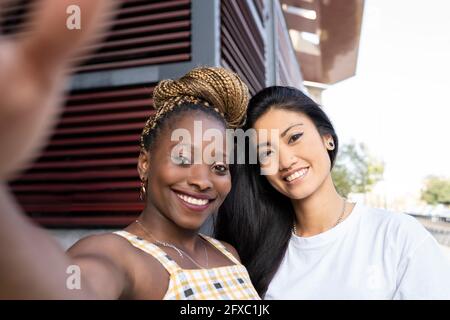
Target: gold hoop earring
(143,191)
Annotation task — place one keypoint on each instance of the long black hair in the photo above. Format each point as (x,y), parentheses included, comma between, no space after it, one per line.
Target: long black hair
(255,218)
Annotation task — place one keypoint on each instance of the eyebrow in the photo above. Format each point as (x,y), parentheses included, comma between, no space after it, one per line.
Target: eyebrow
(266,143)
(289,128)
(192,146)
(177,143)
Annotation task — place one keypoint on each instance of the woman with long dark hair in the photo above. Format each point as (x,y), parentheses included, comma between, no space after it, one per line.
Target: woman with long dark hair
(298,238)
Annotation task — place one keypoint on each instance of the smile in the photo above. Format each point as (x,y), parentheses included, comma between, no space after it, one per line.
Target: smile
(297,175)
(193,203)
(191,200)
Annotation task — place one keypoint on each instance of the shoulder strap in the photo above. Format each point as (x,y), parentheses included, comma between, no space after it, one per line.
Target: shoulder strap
(219,246)
(169,264)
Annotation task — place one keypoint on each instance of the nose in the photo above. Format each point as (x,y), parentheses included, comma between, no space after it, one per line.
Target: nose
(199,177)
(287,160)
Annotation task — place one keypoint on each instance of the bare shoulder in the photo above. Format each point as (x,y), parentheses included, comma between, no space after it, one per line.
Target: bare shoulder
(105,265)
(102,244)
(231,249)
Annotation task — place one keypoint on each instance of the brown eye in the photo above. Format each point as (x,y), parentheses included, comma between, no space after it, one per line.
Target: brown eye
(181,160)
(220,169)
(295,137)
(184,160)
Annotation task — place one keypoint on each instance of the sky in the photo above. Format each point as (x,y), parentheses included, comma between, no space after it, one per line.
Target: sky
(398,102)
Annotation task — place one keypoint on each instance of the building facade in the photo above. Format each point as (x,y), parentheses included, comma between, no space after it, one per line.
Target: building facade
(86,177)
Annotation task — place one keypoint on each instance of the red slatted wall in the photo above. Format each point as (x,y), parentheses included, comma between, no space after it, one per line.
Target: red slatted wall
(242,43)
(143,33)
(87,174)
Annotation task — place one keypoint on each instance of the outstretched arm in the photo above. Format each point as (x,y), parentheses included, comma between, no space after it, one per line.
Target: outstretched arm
(32,81)
(34,266)
(33,76)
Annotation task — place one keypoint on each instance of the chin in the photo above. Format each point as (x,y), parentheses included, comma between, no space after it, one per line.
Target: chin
(298,193)
(190,223)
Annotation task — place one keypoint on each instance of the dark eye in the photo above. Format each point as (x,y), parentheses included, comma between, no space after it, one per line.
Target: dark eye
(185,160)
(220,169)
(295,137)
(182,160)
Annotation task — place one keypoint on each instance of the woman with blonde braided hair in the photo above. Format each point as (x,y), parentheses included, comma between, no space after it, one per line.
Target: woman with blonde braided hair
(162,255)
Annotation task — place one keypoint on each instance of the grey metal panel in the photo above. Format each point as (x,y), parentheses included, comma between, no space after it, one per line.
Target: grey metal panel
(271,45)
(254,12)
(205,39)
(205,51)
(114,78)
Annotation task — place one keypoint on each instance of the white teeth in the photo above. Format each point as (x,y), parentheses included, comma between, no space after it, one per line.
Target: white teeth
(194,201)
(298,174)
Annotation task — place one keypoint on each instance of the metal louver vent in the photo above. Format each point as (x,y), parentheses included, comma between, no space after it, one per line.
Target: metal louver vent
(87,175)
(142,33)
(242,44)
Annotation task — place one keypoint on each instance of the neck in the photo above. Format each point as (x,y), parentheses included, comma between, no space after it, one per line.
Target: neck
(320,211)
(165,230)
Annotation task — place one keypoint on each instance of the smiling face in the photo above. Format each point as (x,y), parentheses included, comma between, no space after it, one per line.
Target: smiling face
(302,164)
(180,190)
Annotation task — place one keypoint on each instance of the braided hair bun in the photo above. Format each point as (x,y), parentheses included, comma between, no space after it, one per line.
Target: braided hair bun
(213,87)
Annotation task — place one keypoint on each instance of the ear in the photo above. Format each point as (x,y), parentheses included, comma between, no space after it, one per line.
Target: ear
(143,165)
(328,141)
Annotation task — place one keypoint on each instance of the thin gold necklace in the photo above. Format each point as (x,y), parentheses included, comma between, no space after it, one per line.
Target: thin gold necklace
(180,252)
(294,230)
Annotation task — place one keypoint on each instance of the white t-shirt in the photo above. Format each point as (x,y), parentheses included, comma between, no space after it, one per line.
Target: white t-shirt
(372,254)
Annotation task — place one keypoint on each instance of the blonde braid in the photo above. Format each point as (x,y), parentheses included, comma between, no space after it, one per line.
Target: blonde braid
(212,87)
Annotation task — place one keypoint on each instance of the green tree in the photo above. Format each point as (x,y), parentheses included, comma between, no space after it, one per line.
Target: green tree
(355,170)
(436,191)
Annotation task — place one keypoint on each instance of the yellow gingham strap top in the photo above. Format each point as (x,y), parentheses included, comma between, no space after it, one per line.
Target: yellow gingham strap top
(220,283)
